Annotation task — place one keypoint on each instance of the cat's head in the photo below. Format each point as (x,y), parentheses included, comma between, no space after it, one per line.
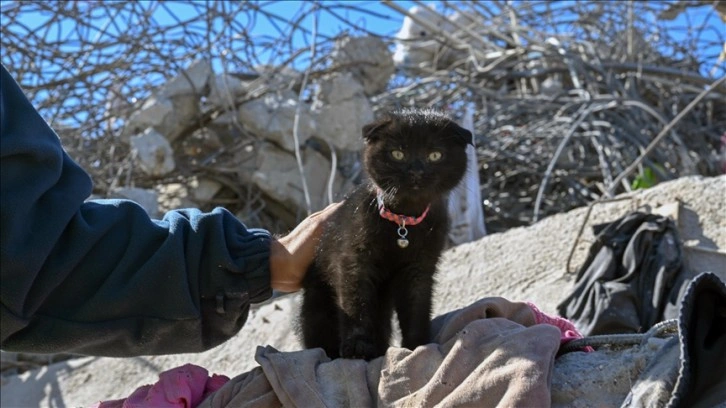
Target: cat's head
(420,153)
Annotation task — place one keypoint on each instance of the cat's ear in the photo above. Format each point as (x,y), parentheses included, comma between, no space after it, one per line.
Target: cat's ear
(371,131)
(460,134)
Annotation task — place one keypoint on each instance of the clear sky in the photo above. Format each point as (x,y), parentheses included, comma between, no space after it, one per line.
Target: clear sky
(368,15)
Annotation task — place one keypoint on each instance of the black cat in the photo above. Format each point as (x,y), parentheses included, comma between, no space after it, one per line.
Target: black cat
(381,247)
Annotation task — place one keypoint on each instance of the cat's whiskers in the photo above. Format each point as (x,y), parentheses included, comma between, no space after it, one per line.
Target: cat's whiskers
(390,194)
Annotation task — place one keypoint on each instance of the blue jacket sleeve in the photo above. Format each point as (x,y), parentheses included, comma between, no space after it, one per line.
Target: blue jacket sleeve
(101,277)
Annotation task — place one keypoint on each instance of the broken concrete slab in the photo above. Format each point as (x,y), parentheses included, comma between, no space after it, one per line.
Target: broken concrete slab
(224,90)
(272,117)
(193,80)
(168,116)
(277,77)
(203,189)
(368,59)
(175,106)
(278,175)
(341,110)
(153,153)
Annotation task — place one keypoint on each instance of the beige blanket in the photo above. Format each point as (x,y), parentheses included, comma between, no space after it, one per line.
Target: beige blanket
(489,354)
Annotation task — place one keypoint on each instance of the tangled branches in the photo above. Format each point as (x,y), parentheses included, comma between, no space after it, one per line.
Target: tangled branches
(567,94)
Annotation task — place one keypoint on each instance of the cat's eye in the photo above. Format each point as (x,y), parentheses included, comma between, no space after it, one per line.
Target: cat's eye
(435,156)
(397,154)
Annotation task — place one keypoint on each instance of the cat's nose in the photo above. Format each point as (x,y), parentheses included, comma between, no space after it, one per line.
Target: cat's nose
(416,170)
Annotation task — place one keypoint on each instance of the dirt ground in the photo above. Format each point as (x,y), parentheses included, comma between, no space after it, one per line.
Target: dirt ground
(523,264)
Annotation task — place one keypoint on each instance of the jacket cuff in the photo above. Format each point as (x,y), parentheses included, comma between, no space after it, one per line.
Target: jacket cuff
(253,252)
(241,274)
(242,279)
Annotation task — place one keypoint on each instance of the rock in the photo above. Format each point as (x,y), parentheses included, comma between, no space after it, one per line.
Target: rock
(273,116)
(153,153)
(167,116)
(175,106)
(201,144)
(174,196)
(224,89)
(277,77)
(148,199)
(368,59)
(522,264)
(277,174)
(193,80)
(227,127)
(338,88)
(186,112)
(341,110)
(204,189)
(151,114)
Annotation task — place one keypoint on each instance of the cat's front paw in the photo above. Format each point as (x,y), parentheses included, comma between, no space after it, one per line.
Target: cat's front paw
(360,346)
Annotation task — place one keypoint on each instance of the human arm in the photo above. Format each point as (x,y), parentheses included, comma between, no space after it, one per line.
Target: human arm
(101,277)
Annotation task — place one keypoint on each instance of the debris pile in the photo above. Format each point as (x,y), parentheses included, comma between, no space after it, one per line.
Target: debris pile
(565,96)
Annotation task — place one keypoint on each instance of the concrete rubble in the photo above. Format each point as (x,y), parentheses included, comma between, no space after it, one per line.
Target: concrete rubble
(522,264)
(259,108)
(175,106)
(272,117)
(341,110)
(173,196)
(192,81)
(224,89)
(368,59)
(277,174)
(153,153)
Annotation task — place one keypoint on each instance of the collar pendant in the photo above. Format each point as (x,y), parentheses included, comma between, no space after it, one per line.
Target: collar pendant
(402,232)
(400,220)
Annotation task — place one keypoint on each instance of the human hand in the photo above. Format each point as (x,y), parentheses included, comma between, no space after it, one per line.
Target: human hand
(291,255)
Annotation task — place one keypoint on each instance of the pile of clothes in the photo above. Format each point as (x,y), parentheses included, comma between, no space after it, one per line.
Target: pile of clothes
(501,353)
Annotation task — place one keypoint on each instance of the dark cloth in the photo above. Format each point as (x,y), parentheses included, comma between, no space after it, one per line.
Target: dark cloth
(702,330)
(101,277)
(631,279)
(688,371)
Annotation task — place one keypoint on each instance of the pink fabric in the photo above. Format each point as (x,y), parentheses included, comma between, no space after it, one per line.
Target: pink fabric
(567,328)
(181,387)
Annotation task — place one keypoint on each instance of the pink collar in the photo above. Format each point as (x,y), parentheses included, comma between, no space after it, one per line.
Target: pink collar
(400,220)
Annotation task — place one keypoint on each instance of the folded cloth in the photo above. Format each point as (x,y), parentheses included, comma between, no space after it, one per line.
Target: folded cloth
(180,387)
(491,353)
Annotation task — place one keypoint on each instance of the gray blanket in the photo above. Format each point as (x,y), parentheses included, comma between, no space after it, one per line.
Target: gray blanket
(488,354)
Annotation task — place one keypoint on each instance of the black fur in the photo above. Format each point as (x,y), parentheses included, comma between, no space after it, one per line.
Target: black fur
(360,274)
